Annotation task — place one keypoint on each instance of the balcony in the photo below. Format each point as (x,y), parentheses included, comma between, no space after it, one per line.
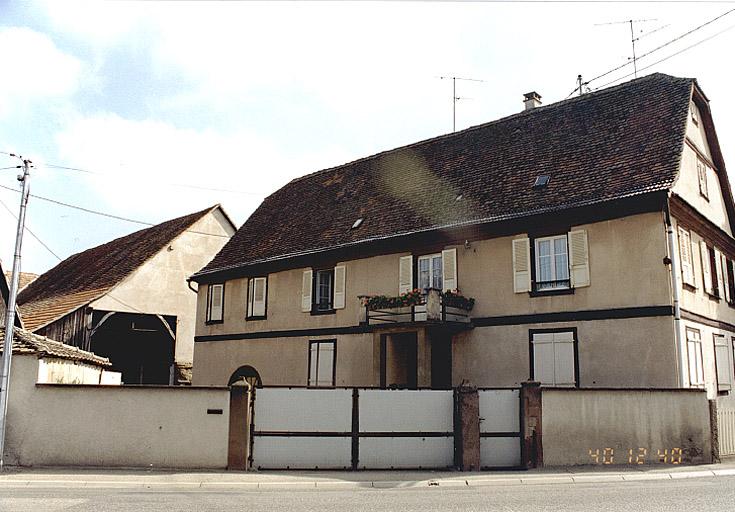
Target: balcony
(433,306)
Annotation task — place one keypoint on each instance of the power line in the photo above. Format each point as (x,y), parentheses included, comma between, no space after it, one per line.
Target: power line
(13,167)
(31,232)
(108,215)
(668,57)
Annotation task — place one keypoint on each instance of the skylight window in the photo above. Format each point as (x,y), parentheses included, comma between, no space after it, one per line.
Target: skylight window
(458,198)
(541,182)
(357,223)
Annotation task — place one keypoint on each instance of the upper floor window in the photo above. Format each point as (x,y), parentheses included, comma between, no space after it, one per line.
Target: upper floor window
(551,263)
(685,252)
(257,298)
(322,363)
(694,357)
(712,275)
(430,272)
(323,290)
(215,303)
(702,174)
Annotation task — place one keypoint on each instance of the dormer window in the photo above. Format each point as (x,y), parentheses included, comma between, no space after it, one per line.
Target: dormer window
(357,223)
(541,182)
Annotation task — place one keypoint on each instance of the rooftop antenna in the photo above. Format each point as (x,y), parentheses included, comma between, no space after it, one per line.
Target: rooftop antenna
(455,98)
(633,38)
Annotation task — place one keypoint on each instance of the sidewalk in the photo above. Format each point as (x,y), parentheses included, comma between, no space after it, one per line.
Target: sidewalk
(211,480)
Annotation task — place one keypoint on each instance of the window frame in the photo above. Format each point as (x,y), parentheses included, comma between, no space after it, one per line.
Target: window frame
(332,342)
(248,313)
(713,265)
(697,345)
(575,344)
(702,178)
(315,310)
(208,313)
(684,232)
(729,366)
(556,290)
(431,258)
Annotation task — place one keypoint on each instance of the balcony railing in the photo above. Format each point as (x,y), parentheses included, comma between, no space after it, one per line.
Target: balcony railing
(433,308)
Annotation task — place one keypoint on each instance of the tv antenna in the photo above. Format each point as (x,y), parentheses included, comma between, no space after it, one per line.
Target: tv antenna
(456,98)
(633,38)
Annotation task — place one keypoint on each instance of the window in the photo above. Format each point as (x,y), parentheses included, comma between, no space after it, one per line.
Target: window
(430,272)
(323,291)
(685,252)
(730,280)
(702,173)
(215,303)
(257,297)
(552,263)
(694,355)
(554,358)
(322,363)
(711,270)
(694,114)
(723,360)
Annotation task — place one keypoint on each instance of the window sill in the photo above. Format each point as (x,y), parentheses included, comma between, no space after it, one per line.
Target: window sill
(214,322)
(551,293)
(689,287)
(317,312)
(711,296)
(249,318)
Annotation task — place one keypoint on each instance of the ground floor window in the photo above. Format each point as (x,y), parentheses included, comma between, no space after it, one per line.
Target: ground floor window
(554,357)
(694,356)
(322,357)
(723,354)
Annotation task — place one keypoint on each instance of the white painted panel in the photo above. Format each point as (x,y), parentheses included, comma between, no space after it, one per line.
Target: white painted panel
(406,452)
(406,411)
(543,361)
(303,410)
(500,452)
(499,410)
(302,452)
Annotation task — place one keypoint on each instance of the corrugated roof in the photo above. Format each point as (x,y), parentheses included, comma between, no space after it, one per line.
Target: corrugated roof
(615,143)
(25,342)
(86,276)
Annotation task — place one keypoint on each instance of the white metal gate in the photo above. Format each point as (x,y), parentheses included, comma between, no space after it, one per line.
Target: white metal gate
(500,428)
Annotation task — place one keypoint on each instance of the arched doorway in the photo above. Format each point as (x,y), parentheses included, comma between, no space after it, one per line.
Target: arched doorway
(242,384)
(245,374)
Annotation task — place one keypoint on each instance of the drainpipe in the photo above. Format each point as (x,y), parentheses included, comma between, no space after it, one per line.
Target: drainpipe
(188,283)
(675,287)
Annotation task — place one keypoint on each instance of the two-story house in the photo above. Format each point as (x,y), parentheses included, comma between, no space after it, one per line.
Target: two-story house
(593,234)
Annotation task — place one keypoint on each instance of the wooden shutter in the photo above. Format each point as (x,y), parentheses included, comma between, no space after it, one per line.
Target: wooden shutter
(578,258)
(405,274)
(724,364)
(325,373)
(339,287)
(251,298)
(718,272)
(725,278)
(449,269)
(306,291)
(216,302)
(521,265)
(259,294)
(685,252)
(564,359)
(543,358)
(706,270)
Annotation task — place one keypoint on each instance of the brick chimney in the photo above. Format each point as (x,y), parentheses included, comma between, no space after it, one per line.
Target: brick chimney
(531,100)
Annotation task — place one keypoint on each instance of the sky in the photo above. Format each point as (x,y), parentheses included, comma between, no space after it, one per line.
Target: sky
(168,108)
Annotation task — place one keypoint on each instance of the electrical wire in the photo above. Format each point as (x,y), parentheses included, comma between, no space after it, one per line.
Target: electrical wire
(26,228)
(108,215)
(13,167)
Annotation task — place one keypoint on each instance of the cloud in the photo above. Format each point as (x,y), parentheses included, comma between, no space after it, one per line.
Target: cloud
(34,69)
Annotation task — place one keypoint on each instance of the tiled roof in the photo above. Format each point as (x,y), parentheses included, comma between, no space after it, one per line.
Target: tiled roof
(25,342)
(24,280)
(606,145)
(86,276)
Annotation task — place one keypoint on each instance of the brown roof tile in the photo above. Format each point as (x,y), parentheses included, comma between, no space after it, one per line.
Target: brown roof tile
(86,276)
(614,143)
(25,342)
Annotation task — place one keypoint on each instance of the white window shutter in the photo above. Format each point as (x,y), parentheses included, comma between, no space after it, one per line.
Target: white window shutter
(449,269)
(706,270)
(724,364)
(725,279)
(325,372)
(579,264)
(718,273)
(259,296)
(564,359)
(215,304)
(339,287)
(521,265)
(306,291)
(313,363)
(251,297)
(685,251)
(543,359)
(405,274)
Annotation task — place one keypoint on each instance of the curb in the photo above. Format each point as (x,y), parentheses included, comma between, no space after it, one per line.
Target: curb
(552,479)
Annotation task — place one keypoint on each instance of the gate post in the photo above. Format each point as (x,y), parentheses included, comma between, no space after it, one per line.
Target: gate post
(238,444)
(714,431)
(467,428)
(532,449)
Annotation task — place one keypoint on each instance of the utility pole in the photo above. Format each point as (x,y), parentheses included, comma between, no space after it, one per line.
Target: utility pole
(10,312)
(455,98)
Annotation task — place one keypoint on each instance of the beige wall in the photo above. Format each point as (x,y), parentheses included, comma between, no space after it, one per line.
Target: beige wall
(113,426)
(577,421)
(160,287)
(637,352)
(63,371)
(283,361)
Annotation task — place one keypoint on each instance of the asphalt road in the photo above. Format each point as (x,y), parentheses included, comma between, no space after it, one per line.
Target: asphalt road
(692,495)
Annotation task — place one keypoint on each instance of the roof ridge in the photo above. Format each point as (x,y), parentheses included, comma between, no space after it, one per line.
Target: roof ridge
(522,113)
